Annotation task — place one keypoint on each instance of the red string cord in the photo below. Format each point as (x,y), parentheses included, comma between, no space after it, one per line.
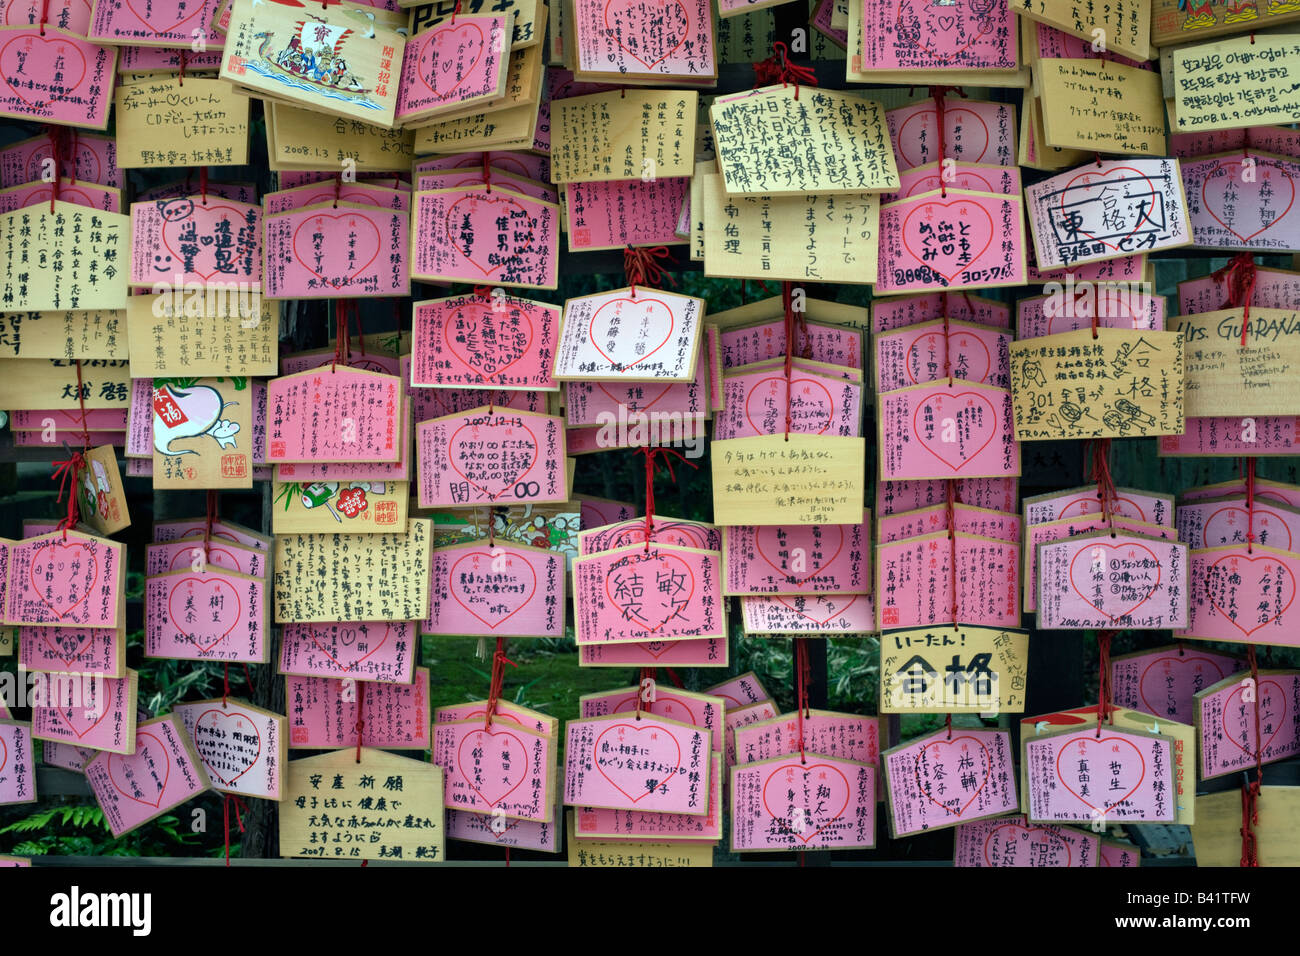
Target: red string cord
(487,172)
(1250,788)
(787,300)
(1249,468)
(66,473)
(950,515)
(778,67)
(229,799)
(81,400)
(940,109)
(203,183)
(58,135)
(1103,677)
(641,265)
(647,673)
(499,660)
(653,454)
(180,74)
(802,680)
(1239,274)
(1107,495)
(207,531)
(361,717)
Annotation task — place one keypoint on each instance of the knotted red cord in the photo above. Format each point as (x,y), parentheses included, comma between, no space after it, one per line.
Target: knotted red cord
(1248,466)
(1103,677)
(499,660)
(239,818)
(66,473)
(642,267)
(1250,788)
(802,678)
(652,453)
(1100,473)
(342,335)
(1239,274)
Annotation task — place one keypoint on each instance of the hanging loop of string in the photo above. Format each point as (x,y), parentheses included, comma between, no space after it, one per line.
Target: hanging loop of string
(1239,274)
(361,716)
(938,94)
(58,136)
(1103,678)
(1250,789)
(947,723)
(487,172)
(1248,470)
(802,681)
(499,662)
(642,267)
(653,453)
(647,674)
(207,531)
(778,68)
(81,401)
(950,516)
(203,183)
(180,73)
(787,301)
(66,473)
(229,800)
(1107,495)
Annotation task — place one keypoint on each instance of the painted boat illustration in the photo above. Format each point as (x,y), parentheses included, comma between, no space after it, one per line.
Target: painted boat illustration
(313,61)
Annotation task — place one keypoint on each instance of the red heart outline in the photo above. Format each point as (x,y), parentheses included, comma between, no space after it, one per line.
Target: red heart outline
(57,649)
(139,753)
(526,762)
(489,200)
(1092,499)
(911,350)
(311,632)
(805,770)
(1160,571)
(645,725)
(1089,740)
(356,271)
(614,34)
(216,584)
(591,330)
(31,572)
(1205,529)
(830,400)
(1205,199)
(1250,729)
(1241,557)
(510,482)
(66,715)
(1101,178)
(482,311)
(634,533)
(665,647)
(1174,659)
(4,754)
(949,111)
(988,767)
(145,20)
(85,156)
(223,714)
(924,184)
(661,557)
(935,53)
(836,613)
(1016,826)
(179,558)
(797,529)
(628,704)
(993,412)
(439,32)
(70,87)
(451,586)
(238,218)
(933,204)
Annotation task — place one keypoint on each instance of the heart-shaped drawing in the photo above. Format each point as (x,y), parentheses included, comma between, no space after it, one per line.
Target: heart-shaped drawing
(923,123)
(657,649)
(643,406)
(477,236)
(803,537)
(1229,515)
(67,643)
(1089,554)
(980,355)
(662,705)
(658,315)
(4,754)
(954,457)
(1215,186)
(203,595)
(673,533)
(803,392)
(965,180)
(149,752)
(162,6)
(1048,837)
(948,755)
(941,256)
(482,434)
(484,345)
(329,248)
(830,602)
(830,779)
(1179,662)
(946,23)
(1075,744)
(499,608)
(1091,504)
(207,220)
(1249,582)
(341,636)
(491,781)
(507,164)
(440,54)
(648,34)
(51,559)
(1248,719)
(1088,177)
(216,719)
(216,558)
(658,746)
(20,58)
(633,609)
